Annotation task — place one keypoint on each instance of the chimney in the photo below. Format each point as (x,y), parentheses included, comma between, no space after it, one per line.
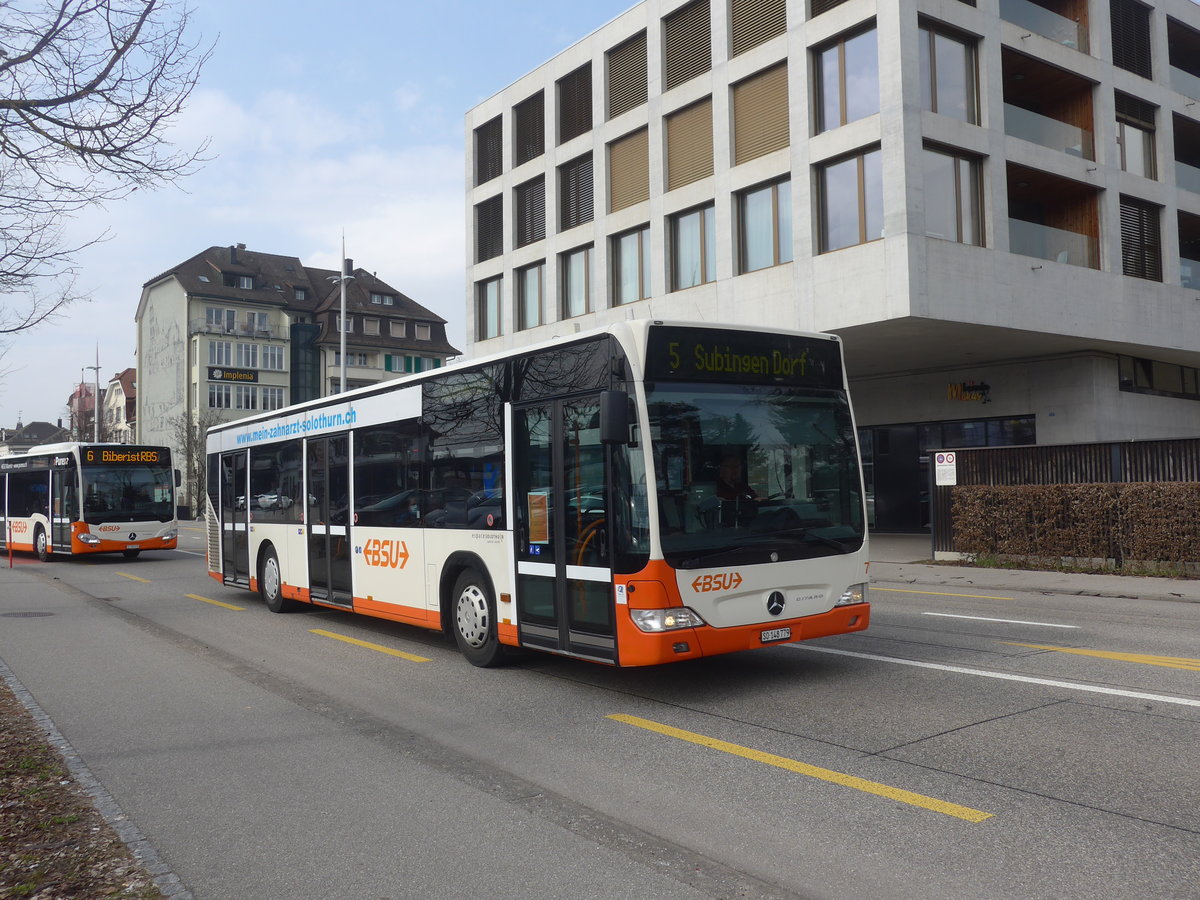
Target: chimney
(233,253)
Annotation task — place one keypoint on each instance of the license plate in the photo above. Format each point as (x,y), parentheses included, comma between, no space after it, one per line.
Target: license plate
(776,634)
(131,546)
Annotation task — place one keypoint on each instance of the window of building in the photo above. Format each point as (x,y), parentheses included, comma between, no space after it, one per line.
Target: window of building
(575,270)
(218,319)
(354,358)
(489,151)
(847,80)
(245,396)
(754,22)
(220,353)
(851,200)
(575,192)
(487,309)
(1141,241)
(630,259)
(529,295)
(627,75)
(823,6)
(272,398)
(629,170)
(765,226)
(575,103)
(299,294)
(529,129)
(349,328)
(689,144)
(1148,376)
(380,299)
(1131,36)
(256,323)
(949,86)
(370,326)
(687,43)
(693,248)
(952,196)
(529,207)
(220,396)
(760,114)
(423,332)
(244,282)
(247,356)
(398,328)
(1135,134)
(489,228)
(272,357)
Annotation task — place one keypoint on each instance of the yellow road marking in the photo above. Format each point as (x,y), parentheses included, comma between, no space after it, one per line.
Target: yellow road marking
(215,602)
(388,650)
(1166,662)
(782,762)
(134,578)
(938,594)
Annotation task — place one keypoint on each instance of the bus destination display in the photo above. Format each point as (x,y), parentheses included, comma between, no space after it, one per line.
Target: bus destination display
(703,354)
(124,456)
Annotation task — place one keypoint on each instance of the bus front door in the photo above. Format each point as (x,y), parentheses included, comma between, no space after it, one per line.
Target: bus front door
(63,509)
(328,520)
(235,518)
(564,574)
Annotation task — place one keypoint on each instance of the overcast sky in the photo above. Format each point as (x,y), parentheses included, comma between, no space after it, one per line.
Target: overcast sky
(321,120)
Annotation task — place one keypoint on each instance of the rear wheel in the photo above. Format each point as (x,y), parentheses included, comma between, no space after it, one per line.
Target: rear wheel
(41,545)
(474,614)
(270,584)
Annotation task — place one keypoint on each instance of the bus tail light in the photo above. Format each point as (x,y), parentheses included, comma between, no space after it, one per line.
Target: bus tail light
(654,620)
(856,593)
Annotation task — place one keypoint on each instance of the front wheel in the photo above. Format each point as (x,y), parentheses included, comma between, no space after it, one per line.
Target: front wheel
(41,545)
(270,584)
(474,614)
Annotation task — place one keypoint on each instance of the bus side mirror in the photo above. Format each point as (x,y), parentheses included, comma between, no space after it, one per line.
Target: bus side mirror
(614,417)
(178,478)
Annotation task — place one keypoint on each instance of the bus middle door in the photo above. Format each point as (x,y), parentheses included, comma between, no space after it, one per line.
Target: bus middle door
(328,520)
(235,518)
(564,573)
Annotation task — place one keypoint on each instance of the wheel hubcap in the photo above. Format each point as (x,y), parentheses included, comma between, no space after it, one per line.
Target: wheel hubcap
(271,578)
(472,616)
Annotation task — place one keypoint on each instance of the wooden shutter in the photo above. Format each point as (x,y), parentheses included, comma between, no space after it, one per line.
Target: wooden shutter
(575,192)
(687,43)
(530,209)
(627,75)
(489,228)
(689,144)
(575,104)
(1131,36)
(529,128)
(760,114)
(754,22)
(629,170)
(1141,241)
(489,154)
(1135,111)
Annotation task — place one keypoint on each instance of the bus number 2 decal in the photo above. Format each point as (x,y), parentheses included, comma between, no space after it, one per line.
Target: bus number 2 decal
(724,581)
(387,554)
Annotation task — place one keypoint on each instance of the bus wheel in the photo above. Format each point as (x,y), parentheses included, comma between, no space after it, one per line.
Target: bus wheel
(270,584)
(40,545)
(131,554)
(474,614)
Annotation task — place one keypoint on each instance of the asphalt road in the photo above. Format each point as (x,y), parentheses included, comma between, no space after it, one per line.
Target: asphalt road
(970,744)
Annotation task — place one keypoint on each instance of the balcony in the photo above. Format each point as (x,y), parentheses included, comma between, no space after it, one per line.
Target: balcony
(1183,51)
(1189,272)
(1185,82)
(1059,23)
(1053,244)
(1038,129)
(1187,177)
(1052,218)
(238,330)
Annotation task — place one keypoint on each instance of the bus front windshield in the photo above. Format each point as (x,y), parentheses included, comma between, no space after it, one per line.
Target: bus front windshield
(753,473)
(128,494)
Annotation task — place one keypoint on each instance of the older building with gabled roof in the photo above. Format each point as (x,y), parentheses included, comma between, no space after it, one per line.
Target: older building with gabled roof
(232,331)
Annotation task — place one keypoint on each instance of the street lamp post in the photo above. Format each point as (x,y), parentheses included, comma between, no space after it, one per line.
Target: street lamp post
(96,398)
(347,268)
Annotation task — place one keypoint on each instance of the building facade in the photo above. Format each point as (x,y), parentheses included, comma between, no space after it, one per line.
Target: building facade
(119,422)
(232,331)
(995,203)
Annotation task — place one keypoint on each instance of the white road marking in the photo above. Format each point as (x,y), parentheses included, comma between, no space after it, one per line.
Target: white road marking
(1006,621)
(1005,676)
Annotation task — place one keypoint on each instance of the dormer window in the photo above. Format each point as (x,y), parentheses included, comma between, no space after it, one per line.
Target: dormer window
(299,293)
(423,332)
(245,282)
(382,299)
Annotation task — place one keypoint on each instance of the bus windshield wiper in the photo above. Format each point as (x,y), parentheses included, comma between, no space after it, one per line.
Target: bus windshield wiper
(712,557)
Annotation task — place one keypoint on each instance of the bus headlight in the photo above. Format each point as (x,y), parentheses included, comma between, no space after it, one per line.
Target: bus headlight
(88,538)
(665,619)
(169,536)
(856,593)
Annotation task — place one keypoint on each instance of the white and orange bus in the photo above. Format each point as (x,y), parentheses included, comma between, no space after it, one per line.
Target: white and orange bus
(72,498)
(640,494)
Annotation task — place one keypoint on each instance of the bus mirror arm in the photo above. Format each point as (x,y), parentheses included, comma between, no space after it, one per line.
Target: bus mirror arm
(614,417)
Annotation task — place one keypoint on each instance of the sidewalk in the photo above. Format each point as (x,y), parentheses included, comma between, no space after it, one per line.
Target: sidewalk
(906,557)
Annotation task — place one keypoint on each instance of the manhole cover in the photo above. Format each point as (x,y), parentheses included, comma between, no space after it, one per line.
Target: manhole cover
(25,615)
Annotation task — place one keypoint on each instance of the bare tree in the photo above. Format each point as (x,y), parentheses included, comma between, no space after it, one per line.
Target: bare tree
(88,89)
(190,437)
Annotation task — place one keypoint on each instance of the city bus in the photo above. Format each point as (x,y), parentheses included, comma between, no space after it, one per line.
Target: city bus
(635,495)
(73,498)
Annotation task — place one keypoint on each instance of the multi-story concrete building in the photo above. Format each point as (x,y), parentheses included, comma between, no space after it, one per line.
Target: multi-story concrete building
(232,331)
(996,203)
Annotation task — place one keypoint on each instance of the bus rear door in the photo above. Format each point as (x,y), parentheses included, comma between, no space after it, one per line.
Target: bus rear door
(235,518)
